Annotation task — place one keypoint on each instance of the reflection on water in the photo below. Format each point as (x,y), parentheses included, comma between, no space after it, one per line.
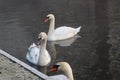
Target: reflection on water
(21,21)
(67,42)
(52,50)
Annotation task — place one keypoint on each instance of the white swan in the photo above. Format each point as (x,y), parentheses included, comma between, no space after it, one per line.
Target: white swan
(65,68)
(59,33)
(38,54)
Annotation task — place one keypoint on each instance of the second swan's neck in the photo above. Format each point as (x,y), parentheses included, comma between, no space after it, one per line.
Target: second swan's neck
(42,51)
(51,28)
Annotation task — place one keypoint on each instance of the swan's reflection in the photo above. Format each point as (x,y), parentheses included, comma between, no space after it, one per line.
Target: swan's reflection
(67,42)
(51,46)
(41,69)
(52,50)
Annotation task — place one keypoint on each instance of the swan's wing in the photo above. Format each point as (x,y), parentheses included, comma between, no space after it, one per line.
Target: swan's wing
(33,55)
(57,77)
(32,45)
(64,30)
(64,33)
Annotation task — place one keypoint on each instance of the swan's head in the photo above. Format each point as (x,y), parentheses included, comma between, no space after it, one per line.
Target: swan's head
(49,17)
(42,36)
(64,67)
(60,66)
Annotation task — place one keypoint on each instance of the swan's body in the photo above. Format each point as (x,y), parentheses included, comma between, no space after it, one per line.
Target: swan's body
(65,68)
(65,32)
(60,33)
(38,54)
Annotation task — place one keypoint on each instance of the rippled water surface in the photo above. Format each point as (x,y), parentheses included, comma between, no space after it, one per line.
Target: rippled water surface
(22,20)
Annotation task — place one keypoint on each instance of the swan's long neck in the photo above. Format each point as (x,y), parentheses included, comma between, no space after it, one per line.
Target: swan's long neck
(42,49)
(69,74)
(51,28)
(67,71)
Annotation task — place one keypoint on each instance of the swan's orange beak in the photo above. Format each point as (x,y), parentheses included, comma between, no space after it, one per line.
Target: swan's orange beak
(46,20)
(53,70)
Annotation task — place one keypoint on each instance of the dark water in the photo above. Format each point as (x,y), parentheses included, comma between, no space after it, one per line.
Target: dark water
(22,20)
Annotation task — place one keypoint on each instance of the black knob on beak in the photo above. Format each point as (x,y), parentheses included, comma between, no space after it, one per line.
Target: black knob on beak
(39,39)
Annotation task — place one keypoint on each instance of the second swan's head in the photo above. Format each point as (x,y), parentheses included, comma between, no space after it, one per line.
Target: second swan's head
(49,17)
(42,36)
(61,66)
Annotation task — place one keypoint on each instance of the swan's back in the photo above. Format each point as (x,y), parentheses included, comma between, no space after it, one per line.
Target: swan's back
(65,32)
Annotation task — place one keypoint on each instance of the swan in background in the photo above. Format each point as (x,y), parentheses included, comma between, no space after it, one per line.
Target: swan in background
(37,54)
(60,33)
(65,68)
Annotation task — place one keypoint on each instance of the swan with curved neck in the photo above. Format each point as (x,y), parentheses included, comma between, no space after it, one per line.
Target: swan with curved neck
(60,33)
(65,68)
(38,54)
